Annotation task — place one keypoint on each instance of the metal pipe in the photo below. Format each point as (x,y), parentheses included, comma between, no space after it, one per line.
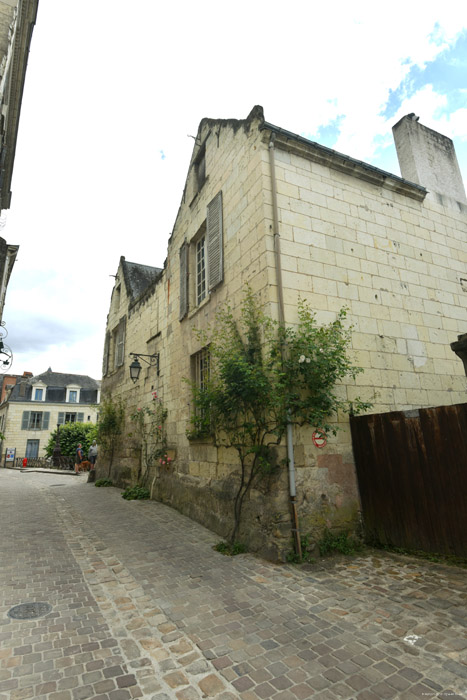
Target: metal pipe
(280,297)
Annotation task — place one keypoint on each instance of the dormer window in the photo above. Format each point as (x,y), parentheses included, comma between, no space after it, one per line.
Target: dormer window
(38,392)
(72,394)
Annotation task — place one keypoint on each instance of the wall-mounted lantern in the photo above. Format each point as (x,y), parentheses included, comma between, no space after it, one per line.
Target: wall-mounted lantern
(135,367)
(460,348)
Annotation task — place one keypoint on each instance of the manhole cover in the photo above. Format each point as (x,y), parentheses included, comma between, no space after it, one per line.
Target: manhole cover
(29,611)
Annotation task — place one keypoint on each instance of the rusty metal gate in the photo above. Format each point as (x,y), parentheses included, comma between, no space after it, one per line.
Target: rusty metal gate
(412,475)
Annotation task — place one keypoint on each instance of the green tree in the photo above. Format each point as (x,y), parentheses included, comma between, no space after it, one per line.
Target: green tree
(263,376)
(70,435)
(110,427)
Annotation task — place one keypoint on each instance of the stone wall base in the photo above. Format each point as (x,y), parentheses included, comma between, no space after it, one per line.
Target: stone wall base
(266,525)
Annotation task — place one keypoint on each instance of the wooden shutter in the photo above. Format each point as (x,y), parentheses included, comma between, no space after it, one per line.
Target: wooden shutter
(105,363)
(120,356)
(45,420)
(183,281)
(80,418)
(25,421)
(61,418)
(215,242)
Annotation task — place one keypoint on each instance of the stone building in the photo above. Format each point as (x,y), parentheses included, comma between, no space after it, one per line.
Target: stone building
(17,20)
(291,218)
(34,406)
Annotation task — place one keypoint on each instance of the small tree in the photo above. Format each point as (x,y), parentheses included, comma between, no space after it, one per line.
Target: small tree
(69,436)
(262,377)
(110,427)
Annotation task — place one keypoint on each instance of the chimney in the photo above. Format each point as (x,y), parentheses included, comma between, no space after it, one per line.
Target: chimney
(429,159)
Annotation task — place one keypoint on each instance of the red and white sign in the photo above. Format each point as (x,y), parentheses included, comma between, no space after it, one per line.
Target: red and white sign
(319,438)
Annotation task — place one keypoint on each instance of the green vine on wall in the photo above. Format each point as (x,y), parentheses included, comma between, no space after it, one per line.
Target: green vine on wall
(264,375)
(151,435)
(110,427)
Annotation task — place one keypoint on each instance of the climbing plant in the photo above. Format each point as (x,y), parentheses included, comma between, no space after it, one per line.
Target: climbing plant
(110,427)
(151,435)
(264,375)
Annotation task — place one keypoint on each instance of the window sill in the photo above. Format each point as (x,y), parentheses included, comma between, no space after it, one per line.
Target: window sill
(205,301)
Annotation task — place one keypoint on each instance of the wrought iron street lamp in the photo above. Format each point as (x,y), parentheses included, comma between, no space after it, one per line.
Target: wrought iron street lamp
(135,367)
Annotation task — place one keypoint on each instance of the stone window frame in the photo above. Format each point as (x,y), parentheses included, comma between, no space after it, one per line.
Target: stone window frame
(213,253)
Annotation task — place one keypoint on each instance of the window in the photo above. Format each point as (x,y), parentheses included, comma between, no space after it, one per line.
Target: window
(200,370)
(200,169)
(38,392)
(200,270)
(70,418)
(203,257)
(73,393)
(201,367)
(119,346)
(32,449)
(35,420)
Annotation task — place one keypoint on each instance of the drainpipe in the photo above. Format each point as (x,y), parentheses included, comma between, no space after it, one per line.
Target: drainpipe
(280,298)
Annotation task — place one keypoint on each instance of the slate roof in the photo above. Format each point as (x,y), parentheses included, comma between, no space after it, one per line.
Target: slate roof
(138,277)
(56,382)
(59,379)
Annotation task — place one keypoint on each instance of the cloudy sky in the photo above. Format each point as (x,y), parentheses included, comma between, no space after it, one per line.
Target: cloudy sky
(114,89)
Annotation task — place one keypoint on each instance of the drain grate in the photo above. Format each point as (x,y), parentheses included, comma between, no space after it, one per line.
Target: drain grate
(29,611)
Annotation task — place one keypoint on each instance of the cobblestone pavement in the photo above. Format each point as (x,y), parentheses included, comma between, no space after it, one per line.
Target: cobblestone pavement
(143,607)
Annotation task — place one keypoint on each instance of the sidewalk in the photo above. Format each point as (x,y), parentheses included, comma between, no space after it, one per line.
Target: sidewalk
(41,470)
(142,606)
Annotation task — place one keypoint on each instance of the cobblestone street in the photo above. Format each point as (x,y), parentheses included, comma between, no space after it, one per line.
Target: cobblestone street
(143,607)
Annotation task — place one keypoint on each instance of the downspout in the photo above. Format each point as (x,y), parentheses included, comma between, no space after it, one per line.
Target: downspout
(280,298)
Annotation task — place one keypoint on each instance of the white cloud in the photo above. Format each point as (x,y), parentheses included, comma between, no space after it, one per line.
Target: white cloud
(122,84)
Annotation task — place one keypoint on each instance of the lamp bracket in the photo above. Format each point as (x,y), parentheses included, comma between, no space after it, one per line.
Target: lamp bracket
(153,359)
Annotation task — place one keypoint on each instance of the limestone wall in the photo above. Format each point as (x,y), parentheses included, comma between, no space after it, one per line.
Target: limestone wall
(355,239)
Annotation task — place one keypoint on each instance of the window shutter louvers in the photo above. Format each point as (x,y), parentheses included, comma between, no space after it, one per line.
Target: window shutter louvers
(183,281)
(121,342)
(215,242)
(80,418)
(105,364)
(25,421)
(61,419)
(45,420)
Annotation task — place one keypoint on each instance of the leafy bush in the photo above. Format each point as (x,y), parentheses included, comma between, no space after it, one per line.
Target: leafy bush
(293,558)
(341,543)
(104,482)
(70,435)
(230,550)
(135,493)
